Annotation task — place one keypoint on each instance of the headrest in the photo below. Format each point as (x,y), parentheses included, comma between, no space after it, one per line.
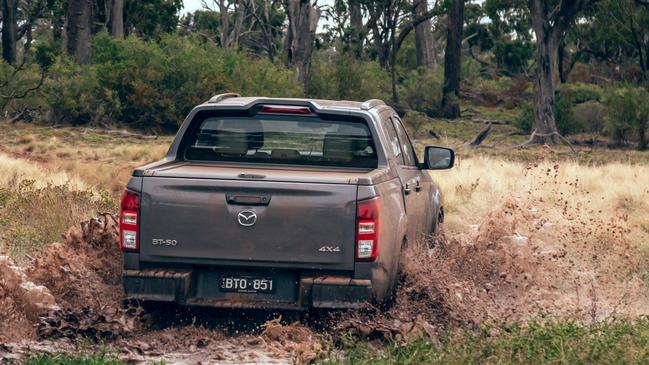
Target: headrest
(285,154)
(255,134)
(232,143)
(338,147)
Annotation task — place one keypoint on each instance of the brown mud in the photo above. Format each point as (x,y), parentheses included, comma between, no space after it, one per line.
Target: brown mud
(529,259)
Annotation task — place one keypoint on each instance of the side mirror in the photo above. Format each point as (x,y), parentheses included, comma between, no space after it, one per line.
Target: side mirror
(438,158)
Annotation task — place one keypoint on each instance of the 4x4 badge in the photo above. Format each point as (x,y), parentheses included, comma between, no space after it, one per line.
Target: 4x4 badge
(247,218)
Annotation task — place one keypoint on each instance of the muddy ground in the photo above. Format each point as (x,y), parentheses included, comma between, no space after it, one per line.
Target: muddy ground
(521,263)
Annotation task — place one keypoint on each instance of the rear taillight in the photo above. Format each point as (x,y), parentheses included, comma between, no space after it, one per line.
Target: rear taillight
(367,229)
(129,222)
(285,109)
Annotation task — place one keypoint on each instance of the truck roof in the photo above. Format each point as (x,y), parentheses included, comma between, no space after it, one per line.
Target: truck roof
(236,100)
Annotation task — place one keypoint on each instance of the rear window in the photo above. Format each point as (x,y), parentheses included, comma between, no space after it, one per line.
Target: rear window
(283,140)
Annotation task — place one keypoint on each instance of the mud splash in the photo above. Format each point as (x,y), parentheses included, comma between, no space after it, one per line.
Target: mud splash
(529,259)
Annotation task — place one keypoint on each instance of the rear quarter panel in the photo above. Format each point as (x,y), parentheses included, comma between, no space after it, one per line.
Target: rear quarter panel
(392,231)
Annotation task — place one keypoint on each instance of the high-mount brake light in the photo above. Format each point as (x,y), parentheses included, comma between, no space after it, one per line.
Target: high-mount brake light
(129,222)
(367,229)
(285,109)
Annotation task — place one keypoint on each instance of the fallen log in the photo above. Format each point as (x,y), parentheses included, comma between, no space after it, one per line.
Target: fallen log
(480,137)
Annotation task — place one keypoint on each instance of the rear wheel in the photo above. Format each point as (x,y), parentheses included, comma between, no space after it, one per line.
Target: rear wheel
(434,229)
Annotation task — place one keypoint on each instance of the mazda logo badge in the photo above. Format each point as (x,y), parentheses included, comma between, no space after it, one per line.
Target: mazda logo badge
(247,218)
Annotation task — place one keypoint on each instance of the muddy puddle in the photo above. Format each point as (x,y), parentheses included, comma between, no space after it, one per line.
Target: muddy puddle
(527,260)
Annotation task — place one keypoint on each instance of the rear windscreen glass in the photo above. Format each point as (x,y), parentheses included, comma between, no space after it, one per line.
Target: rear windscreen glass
(283,140)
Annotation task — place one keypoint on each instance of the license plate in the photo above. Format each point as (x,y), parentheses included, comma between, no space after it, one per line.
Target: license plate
(247,284)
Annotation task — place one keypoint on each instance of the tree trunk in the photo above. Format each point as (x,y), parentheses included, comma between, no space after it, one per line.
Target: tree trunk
(452,61)
(29,38)
(9,30)
(233,39)
(117,19)
(424,37)
(642,136)
(544,119)
(561,54)
(357,30)
(79,30)
(300,39)
(225,23)
(547,44)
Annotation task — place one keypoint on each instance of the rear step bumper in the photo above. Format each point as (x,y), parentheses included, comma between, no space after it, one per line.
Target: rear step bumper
(186,287)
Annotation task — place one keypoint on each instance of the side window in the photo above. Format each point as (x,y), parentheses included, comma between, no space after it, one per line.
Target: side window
(395,147)
(408,151)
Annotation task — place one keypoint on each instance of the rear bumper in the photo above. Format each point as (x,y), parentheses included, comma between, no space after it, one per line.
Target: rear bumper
(187,287)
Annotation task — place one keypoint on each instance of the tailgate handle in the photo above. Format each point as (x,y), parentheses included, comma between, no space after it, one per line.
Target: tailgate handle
(247,199)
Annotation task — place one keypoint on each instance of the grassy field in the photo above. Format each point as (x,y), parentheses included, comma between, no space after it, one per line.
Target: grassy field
(619,342)
(595,201)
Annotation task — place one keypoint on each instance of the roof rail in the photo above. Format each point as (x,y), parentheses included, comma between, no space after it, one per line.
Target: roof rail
(216,98)
(369,104)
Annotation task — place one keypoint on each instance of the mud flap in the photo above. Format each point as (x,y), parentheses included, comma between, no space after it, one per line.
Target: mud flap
(156,285)
(337,292)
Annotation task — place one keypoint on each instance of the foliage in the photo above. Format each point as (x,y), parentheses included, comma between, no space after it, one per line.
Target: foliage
(628,114)
(590,115)
(617,342)
(415,122)
(151,18)
(16,84)
(566,122)
(525,118)
(342,76)
(578,93)
(569,98)
(513,56)
(153,85)
(422,90)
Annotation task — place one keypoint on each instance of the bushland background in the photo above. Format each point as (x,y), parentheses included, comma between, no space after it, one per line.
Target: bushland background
(545,250)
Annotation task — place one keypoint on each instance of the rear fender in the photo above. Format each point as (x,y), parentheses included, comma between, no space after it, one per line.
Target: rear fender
(393,228)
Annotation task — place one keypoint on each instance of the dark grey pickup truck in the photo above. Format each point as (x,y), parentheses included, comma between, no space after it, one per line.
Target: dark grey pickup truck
(279,203)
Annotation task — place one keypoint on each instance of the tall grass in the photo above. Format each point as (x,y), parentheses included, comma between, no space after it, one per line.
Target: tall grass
(37,205)
(475,186)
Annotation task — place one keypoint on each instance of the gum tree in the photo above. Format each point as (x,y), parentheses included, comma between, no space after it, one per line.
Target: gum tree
(550,21)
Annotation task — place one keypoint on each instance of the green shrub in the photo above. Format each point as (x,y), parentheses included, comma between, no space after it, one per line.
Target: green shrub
(422,90)
(567,98)
(154,84)
(525,119)
(513,56)
(342,76)
(74,95)
(564,116)
(578,93)
(23,84)
(415,122)
(590,115)
(628,114)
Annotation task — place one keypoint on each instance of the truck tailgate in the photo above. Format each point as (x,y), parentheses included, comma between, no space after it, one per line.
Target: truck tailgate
(309,225)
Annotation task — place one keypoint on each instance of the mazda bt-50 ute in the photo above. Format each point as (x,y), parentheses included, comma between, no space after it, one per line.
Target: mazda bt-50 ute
(279,203)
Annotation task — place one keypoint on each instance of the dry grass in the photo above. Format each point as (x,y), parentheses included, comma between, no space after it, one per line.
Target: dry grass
(562,238)
(37,205)
(14,170)
(477,185)
(104,161)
